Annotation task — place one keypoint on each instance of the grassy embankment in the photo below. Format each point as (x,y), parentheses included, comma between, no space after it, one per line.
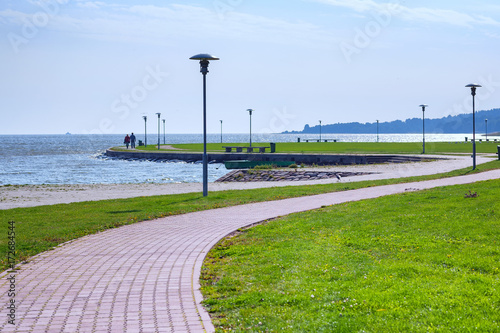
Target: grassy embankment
(424,261)
(41,228)
(347,147)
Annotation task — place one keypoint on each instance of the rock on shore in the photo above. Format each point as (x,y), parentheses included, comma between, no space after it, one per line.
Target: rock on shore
(284,175)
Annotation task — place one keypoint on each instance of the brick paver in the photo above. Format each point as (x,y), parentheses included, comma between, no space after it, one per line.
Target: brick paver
(144,277)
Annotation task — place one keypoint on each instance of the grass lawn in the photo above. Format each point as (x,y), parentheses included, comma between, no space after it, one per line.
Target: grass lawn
(40,228)
(424,261)
(347,147)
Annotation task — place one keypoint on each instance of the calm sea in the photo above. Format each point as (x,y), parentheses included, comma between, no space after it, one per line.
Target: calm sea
(78,159)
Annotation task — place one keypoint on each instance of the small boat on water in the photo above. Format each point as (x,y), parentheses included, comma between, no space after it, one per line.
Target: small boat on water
(246,164)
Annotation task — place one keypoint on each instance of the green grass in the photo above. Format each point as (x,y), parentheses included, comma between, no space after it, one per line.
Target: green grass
(348,147)
(424,261)
(40,228)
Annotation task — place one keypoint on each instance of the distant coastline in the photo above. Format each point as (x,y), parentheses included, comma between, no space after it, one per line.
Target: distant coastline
(461,123)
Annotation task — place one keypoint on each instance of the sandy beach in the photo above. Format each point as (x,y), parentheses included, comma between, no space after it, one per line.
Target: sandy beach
(37,195)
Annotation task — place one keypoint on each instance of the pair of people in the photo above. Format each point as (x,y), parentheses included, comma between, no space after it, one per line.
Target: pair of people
(130,140)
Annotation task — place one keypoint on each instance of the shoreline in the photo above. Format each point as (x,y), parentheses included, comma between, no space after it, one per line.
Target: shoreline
(19,196)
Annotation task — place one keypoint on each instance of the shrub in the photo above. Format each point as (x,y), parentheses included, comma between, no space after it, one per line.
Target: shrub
(264,167)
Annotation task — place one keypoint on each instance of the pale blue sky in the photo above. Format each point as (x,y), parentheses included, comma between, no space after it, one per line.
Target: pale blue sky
(99,66)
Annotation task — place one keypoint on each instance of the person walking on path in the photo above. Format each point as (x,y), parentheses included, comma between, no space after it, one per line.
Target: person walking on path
(127,140)
(132,141)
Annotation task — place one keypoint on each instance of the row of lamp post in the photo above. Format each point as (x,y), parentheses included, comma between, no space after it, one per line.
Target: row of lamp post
(146,132)
(205,59)
(473,87)
(164,138)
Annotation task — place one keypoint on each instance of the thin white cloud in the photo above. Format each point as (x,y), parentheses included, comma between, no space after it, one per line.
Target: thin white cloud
(91,4)
(193,20)
(421,14)
(151,23)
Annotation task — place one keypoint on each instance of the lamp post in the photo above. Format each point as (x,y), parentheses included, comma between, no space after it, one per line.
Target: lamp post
(164,141)
(204,61)
(473,87)
(377,130)
(320,131)
(423,106)
(221,131)
(159,114)
(145,132)
(486,124)
(250,112)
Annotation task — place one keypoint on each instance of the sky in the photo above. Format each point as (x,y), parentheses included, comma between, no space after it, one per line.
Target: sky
(98,67)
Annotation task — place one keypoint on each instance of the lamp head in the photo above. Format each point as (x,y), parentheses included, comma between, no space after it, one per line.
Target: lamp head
(423,106)
(158,113)
(203,56)
(250,110)
(145,118)
(204,59)
(473,87)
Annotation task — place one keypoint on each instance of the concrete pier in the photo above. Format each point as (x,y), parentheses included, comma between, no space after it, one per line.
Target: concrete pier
(318,159)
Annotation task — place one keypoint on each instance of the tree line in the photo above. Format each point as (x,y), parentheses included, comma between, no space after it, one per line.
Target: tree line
(461,123)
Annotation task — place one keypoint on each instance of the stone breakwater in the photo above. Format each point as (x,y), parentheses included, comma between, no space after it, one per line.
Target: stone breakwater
(284,175)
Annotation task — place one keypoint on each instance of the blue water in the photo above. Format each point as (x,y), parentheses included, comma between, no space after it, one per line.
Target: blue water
(78,159)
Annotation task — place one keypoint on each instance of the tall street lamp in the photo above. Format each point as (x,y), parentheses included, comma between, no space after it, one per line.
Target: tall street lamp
(423,106)
(164,142)
(320,131)
(159,114)
(145,132)
(377,130)
(221,131)
(204,61)
(486,124)
(250,112)
(473,87)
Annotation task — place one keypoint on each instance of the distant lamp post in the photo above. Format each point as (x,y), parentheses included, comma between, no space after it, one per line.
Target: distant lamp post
(377,130)
(145,132)
(320,131)
(423,106)
(486,124)
(204,61)
(221,131)
(473,87)
(164,141)
(250,112)
(159,114)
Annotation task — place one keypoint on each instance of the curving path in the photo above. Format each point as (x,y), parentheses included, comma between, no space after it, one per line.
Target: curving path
(144,277)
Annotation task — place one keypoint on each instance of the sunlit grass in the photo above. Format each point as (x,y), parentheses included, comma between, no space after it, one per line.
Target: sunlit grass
(416,262)
(350,147)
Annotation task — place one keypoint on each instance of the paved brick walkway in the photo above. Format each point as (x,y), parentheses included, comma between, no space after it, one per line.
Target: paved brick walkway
(144,277)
